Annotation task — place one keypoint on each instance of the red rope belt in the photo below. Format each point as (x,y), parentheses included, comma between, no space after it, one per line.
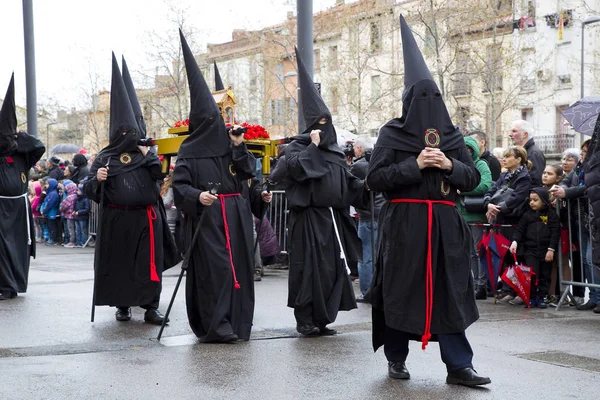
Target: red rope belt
(429,273)
(222,198)
(151,213)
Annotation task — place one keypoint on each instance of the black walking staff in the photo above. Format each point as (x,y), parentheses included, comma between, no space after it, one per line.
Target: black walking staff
(186,259)
(97,247)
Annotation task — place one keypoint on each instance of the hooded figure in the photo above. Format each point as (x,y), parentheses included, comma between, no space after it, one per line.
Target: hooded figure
(220,274)
(135,245)
(18,154)
(135,104)
(422,288)
(323,238)
(218,81)
(536,240)
(81,170)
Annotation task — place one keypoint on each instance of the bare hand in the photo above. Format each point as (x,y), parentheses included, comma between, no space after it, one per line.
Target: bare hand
(102,174)
(549,256)
(558,191)
(493,211)
(435,158)
(236,140)
(315,136)
(266,196)
(144,150)
(207,199)
(513,247)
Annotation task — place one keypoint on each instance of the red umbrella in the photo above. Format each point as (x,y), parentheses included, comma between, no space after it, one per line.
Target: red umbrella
(519,277)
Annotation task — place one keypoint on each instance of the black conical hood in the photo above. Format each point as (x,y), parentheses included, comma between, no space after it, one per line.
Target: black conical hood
(208,135)
(415,69)
(218,81)
(8,116)
(425,121)
(135,104)
(313,106)
(122,117)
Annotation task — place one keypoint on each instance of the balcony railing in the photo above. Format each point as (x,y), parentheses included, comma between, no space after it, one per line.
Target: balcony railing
(555,144)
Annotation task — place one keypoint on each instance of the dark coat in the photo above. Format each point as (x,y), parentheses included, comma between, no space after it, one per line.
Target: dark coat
(56,173)
(359,169)
(493,163)
(399,282)
(82,206)
(592,182)
(538,161)
(511,211)
(537,232)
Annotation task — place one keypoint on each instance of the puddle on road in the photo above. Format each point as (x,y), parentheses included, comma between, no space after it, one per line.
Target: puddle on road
(565,360)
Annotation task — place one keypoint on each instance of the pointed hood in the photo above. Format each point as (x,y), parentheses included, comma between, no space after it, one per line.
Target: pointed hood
(425,121)
(208,134)
(135,104)
(218,81)
(8,120)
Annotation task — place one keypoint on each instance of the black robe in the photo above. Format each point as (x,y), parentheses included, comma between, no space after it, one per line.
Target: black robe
(398,287)
(123,252)
(318,279)
(214,307)
(15,252)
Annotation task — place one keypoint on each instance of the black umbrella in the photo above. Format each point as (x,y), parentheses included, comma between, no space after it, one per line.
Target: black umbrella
(63,148)
(583,114)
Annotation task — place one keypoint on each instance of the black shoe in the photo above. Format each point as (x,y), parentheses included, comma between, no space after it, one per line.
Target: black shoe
(397,370)
(325,331)
(467,377)
(361,299)
(153,316)
(481,294)
(597,309)
(232,337)
(587,306)
(257,277)
(123,314)
(7,295)
(307,329)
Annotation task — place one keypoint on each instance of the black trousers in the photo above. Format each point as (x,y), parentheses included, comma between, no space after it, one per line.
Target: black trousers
(153,305)
(542,270)
(455,349)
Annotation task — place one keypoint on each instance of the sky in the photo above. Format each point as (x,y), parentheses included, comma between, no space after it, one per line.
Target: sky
(75,37)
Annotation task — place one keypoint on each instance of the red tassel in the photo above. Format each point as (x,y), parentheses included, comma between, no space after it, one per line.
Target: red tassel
(236,285)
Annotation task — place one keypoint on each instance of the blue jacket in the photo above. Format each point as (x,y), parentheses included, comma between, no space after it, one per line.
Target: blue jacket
(51,201)
(82,206)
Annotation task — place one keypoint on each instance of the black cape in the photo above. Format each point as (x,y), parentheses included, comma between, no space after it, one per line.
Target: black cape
(15,252)
(398,286)
(319,285)
(214,307)
(123,247)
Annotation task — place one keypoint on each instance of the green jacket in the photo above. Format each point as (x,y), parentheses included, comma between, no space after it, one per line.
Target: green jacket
(484,185)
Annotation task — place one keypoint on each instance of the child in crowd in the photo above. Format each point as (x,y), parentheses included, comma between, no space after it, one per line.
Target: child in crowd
(67,207)
(536,240)
(49,210)
(35,206)
(551,176)
(82,216)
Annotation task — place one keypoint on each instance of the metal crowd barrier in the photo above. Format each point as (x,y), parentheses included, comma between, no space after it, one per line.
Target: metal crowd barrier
(277,215)
(93,223)
(578,225)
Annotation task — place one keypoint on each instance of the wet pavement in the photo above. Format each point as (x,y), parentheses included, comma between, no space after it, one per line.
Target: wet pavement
(50,350)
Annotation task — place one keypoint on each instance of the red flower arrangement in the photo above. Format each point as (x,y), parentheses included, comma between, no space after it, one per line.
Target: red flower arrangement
(179,124)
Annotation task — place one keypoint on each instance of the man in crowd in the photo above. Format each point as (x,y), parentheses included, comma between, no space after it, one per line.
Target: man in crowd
(485,155)
(134,245)
(522,134)
(54,170)
(18,153)
(423,287)
(367,222)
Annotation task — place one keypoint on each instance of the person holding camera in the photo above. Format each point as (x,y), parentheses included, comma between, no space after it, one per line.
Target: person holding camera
(213,167)
(134,245)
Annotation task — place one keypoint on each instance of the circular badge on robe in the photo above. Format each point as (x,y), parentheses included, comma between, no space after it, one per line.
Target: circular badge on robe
(445,188)
(23,177)
(432,138)
(231,169)
(125,158)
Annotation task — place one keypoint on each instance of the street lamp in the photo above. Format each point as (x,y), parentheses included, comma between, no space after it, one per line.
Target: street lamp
(48,136)
(583,24)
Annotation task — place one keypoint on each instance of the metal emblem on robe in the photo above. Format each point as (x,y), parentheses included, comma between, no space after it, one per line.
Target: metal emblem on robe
(23,177)
(445,188)
(432,138)
(231,169)
(125,158)
(250,182)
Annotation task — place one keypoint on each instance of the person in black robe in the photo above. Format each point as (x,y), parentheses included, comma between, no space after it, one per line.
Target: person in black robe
(323,238)
(423,288)
(18,154)
(220,273)
(135,245)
